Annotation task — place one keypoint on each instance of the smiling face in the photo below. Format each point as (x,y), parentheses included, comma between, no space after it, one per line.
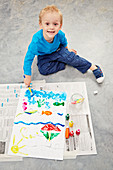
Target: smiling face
(51,24)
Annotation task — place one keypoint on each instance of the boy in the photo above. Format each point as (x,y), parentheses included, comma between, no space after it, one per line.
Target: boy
(50,45)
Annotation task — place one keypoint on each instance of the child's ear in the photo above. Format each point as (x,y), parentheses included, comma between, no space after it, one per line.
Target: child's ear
(60,26)
(40,25)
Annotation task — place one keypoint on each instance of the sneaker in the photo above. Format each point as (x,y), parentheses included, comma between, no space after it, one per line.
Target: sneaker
(98,74)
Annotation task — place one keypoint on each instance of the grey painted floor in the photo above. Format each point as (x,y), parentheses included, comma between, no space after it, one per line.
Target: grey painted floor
(88,25)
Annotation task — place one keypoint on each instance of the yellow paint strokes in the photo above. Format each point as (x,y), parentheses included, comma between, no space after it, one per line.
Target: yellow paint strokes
(23,128)
(15,148)
(19,114)
(31,136)
(20,141)
(49,135)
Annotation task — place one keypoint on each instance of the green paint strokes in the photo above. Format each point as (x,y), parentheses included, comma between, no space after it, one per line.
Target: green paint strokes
(58,104)
(40,102)
(46,134)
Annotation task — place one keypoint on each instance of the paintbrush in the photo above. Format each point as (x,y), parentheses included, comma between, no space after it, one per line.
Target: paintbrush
(28,87)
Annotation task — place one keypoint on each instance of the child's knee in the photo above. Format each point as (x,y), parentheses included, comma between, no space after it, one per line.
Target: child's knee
(43,69)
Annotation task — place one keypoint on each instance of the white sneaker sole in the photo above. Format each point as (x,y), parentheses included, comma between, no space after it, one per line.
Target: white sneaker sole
(100,80)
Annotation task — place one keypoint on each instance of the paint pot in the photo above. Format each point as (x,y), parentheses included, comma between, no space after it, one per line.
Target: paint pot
(67,133)
(77,99)
(71,133)
(71,124)
(78,132)
(67,117)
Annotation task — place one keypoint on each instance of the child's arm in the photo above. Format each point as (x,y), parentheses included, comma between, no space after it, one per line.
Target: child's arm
(27,68)
(27,80)
(28,60)
(71,50)
(64,42)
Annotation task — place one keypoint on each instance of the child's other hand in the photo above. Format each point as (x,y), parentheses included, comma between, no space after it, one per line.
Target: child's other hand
(27,80)
(72,50)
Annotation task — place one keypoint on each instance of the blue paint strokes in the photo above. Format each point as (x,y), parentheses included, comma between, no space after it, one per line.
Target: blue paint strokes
(16,95)
(48,105)
(32,123)
(46,95)
(33,101)
(60,114)
(28,113)
(7,87)
(14,91)
(2,104)
(20,86)
(28,94)
(7,99)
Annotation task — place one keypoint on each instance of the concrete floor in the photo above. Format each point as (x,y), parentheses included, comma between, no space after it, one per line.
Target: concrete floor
(88,25)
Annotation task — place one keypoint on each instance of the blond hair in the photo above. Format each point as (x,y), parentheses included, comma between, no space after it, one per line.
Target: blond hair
(50,8)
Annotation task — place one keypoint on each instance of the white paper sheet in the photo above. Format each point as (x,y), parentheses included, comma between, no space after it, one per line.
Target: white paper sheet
(28,138)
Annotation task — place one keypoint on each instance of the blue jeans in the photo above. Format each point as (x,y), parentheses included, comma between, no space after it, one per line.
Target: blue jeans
(56,61)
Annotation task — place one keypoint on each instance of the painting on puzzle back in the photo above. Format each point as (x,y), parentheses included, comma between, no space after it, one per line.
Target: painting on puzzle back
(39,125)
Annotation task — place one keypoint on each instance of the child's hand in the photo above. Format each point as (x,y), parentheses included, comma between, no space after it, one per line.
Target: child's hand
(27,80)
(72,50)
